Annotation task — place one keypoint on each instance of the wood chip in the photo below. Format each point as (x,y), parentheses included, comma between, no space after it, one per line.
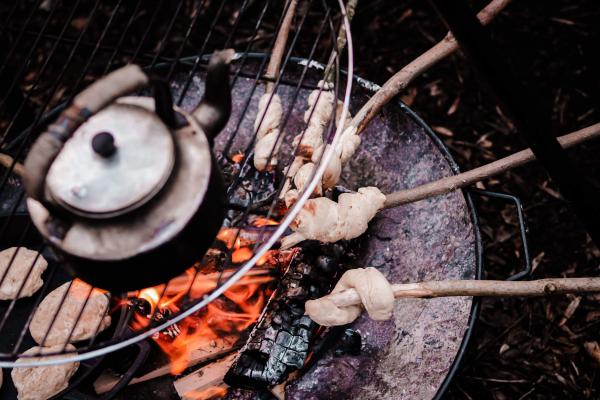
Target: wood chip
(203,379)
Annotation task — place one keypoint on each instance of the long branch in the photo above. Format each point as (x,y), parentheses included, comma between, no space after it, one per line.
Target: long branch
(279,46)
(487,288)
(418,66)
(454,182)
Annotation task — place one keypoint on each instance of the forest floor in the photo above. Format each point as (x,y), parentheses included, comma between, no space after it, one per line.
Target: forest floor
(522,348)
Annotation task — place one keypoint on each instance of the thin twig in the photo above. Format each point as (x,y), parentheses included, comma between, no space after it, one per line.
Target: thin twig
(487,288)
(8,162)
(418,66)
(454,182)
(341,38)
(272,72)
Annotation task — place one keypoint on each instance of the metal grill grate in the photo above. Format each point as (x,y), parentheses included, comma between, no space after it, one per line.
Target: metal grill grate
(55,48)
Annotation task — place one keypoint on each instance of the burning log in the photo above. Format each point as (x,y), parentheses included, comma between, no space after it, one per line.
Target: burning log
(280,342)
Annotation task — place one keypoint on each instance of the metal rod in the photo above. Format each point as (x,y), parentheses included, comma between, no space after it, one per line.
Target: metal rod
(523,108)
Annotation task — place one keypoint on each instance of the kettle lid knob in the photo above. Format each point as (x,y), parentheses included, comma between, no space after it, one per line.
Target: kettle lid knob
(103,144)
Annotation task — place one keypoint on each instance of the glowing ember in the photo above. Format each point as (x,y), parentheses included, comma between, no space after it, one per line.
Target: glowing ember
(237,157)
(260,222)
(240,255)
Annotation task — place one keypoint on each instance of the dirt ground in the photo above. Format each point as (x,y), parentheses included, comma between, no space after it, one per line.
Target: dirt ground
(522,348)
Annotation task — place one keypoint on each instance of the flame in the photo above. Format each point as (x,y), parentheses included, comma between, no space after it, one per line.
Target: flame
(206,394)
(230,315)
(240,307)
(260,222)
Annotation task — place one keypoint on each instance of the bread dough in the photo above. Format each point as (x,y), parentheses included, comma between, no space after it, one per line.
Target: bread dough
(376,295)
(327,221)
(18,272)
(40,383)
(93,315)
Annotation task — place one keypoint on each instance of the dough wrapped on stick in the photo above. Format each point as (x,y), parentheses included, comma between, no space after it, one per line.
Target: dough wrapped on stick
(266,126)
(327,221)
(375,293)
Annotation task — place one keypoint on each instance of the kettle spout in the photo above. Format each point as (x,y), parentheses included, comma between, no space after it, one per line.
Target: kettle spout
(213,111)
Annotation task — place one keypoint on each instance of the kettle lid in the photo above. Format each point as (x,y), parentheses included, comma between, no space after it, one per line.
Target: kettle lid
(115,162)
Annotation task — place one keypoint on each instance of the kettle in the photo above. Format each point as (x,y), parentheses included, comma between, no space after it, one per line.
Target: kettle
(126,189)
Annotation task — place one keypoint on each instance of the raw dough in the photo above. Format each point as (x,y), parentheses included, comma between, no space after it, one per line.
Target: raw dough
(327,221)
(266,127)
(18,272)
(93,314)
(40,383)
(375,293)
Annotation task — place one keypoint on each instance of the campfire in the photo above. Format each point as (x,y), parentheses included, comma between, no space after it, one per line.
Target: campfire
(229,317)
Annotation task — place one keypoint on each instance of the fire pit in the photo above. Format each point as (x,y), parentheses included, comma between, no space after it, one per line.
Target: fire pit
(412,356)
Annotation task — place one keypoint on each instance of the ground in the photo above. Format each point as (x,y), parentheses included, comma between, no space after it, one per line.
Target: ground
(522,348)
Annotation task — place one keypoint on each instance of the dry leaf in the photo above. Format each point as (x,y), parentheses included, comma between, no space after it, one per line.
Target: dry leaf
(454,106)
(593,350)
(537,260)
(571,308)
(442,130)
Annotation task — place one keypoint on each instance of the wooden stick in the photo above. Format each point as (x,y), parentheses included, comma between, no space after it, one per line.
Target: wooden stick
(418,66)
(7,161)
(341,38)
(454,182)
(279,46)
(485,288)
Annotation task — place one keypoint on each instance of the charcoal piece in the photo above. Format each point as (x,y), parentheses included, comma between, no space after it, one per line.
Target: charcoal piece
(350,343)
(250,187)
(280,342)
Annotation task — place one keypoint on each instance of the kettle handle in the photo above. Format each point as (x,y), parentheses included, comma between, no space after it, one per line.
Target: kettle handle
(91,100)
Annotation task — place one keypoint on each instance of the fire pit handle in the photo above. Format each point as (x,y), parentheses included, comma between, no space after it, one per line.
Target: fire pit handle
(143,348)
(509,198)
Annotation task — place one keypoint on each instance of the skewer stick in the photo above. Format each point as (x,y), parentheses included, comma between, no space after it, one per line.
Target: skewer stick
(279,46)
(454,182)
(485,288)
(418,66)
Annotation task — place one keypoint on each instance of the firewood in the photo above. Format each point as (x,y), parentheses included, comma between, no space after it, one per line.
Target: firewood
(223,346)
(203,379)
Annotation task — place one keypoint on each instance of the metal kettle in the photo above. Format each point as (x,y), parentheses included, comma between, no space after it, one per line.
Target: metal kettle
(126,189)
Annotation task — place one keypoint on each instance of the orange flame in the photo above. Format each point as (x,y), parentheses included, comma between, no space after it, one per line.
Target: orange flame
(240,308)
(240,255)
(261,221)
